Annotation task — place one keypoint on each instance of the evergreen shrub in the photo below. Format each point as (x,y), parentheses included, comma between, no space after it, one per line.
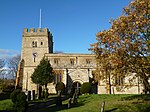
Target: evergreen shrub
(60,86)
(19,99)
(86,88)
(13,95)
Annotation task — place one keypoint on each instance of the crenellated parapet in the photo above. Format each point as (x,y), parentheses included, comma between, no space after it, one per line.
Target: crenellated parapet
(35,32)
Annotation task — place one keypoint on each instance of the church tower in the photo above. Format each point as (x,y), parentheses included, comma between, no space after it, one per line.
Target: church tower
(35,43)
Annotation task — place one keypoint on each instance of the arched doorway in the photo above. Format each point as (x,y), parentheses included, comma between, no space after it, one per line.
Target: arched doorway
(76,86)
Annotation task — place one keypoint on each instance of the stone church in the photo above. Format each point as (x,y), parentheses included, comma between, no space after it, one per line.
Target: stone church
(71,69)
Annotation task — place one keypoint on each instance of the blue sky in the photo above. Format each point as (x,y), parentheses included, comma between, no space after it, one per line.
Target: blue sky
(73,23)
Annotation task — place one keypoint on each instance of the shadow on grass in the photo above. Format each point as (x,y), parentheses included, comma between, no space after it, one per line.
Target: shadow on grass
(140,102)
(139,97)
(4,96)
(143,108)
(111,110)
(55,108)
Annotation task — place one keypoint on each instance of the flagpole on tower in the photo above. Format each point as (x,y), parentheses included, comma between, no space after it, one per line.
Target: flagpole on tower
(40,21)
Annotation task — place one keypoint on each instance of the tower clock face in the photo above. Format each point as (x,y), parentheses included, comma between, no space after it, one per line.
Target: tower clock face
(34,54)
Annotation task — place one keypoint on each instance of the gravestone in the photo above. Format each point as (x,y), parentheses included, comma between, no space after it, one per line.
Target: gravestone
(29,96)
(69,103)
(33,94)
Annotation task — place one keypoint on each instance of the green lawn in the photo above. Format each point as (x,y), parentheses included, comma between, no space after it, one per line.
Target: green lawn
(6,104)
(93,102)
(113,103)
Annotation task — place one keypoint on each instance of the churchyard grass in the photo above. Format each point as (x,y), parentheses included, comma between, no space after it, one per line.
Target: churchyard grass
(5,101)
(93,103)
(6,104)
(113,103)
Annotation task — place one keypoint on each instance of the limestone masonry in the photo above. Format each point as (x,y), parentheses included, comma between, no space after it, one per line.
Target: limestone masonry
(71,69)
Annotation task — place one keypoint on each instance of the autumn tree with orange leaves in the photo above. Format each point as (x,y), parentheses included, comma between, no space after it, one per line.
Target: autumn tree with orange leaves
(125,47)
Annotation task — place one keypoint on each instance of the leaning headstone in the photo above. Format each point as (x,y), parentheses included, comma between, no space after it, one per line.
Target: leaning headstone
(39,92)
(103,106)
(75,98)
(42,94)
(69,103)
(29,96)
(33,94)
(59,93)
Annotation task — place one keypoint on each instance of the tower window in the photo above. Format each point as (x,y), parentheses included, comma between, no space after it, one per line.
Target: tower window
(34,44)
(88,61)
(41,43)
(72,61)
(56,61)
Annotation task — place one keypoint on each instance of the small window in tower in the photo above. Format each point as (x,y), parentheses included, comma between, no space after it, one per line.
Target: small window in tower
(34,44)
(72,61)
(41,43)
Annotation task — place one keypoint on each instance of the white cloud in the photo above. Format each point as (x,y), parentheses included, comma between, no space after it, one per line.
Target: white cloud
(6,53)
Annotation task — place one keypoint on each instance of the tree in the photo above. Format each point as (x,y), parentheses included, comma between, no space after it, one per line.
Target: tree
(2,64)
(2,82)
(43,73)
(13,65)
(125,46)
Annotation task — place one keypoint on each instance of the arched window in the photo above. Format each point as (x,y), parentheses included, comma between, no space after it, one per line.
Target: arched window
(56,61)
(58,78)
(34,44)
(72,61)
(88,61)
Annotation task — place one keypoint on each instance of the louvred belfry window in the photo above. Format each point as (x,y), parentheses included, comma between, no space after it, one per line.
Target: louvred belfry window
(34,44)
